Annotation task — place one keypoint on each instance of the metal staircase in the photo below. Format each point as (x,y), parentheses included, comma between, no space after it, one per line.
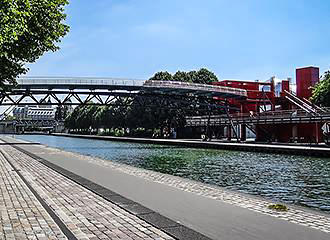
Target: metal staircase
(303,104)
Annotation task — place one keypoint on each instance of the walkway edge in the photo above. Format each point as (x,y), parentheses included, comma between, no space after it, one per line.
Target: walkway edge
(248,147)
(51,213)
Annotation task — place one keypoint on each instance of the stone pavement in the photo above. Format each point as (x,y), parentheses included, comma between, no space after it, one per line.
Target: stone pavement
(21,214)
(85,214)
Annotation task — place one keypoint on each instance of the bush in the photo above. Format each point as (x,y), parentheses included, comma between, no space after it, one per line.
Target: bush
(119,132)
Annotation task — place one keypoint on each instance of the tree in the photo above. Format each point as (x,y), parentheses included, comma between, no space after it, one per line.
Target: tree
(321,92)
(193,76)
(162,76)
(181,77)
(28,29)
(204,76)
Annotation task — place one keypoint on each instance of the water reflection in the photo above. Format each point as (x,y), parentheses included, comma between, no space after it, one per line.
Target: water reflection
(293,179)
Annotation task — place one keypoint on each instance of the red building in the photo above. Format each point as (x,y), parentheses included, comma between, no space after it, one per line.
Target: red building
(263,94)
(306,78)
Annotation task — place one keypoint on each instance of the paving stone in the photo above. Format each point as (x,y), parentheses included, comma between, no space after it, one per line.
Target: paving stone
(20,209)
(85,214)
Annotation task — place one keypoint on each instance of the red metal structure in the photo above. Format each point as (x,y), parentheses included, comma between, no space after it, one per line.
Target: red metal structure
(266,98)
(258,94)
(306,77)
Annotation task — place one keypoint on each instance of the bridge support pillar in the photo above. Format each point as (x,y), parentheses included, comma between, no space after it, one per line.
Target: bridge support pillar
(317,133)
(229,132)
(295,133)
(243,132)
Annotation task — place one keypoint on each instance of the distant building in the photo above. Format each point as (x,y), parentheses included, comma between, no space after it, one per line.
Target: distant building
(35,112)
(278,85)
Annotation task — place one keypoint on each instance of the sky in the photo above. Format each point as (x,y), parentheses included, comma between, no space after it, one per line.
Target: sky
(236,39)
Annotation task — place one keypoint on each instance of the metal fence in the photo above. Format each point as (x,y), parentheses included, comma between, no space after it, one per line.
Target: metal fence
(268,116)
(196,86)
(79,81)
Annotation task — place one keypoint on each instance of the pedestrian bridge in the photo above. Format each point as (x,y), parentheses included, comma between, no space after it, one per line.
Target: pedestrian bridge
(159,87)
(108,91)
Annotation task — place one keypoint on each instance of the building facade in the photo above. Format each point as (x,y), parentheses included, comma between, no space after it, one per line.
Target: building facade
(35,112)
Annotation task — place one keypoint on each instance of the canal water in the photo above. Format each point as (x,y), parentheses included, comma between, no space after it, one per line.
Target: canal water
(299,180)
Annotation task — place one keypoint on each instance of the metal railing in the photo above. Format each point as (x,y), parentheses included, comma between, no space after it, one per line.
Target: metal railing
(78,81)
(86,81)
(196,86)
(306,106)
(285,115)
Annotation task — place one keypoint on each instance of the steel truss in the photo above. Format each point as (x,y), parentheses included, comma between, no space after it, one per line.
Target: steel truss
(108,98)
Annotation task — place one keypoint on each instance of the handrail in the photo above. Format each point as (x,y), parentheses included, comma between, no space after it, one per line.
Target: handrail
(126,82)
(196,86)
(314,105)
(79,81)
(299,102)
(265,115)
(299,105)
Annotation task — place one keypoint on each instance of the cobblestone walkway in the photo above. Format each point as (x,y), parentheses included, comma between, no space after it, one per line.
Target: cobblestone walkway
(294,214)
(21,214)
(85,214)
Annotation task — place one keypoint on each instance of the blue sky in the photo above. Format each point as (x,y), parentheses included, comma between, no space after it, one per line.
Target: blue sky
(236,39)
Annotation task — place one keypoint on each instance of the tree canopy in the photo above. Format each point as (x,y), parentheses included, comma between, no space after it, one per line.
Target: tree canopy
(321,92)
(28,29)
(151,117)
(181,76)
(162,76)
(203,76)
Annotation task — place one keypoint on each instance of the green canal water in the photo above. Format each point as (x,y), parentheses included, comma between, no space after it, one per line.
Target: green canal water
(299,180)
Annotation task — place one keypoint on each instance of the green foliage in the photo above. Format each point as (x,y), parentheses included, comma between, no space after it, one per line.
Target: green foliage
(9,118)
(278,207)
(62,112)
(321,92)
(162,76)
(181,77)
(28,29)
(141,132)
(203,76)
(142,121)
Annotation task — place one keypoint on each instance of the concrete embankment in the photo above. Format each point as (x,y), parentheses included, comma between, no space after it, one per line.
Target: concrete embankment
(251,147)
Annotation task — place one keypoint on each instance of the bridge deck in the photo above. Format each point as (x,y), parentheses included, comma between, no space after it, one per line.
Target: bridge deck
(113,84)
(270,117)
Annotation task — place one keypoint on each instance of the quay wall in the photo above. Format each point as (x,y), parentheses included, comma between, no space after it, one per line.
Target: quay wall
(250,147)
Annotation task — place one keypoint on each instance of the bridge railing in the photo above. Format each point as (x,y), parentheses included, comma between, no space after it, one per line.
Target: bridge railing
(196,86)
(79,81)
(288,114)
